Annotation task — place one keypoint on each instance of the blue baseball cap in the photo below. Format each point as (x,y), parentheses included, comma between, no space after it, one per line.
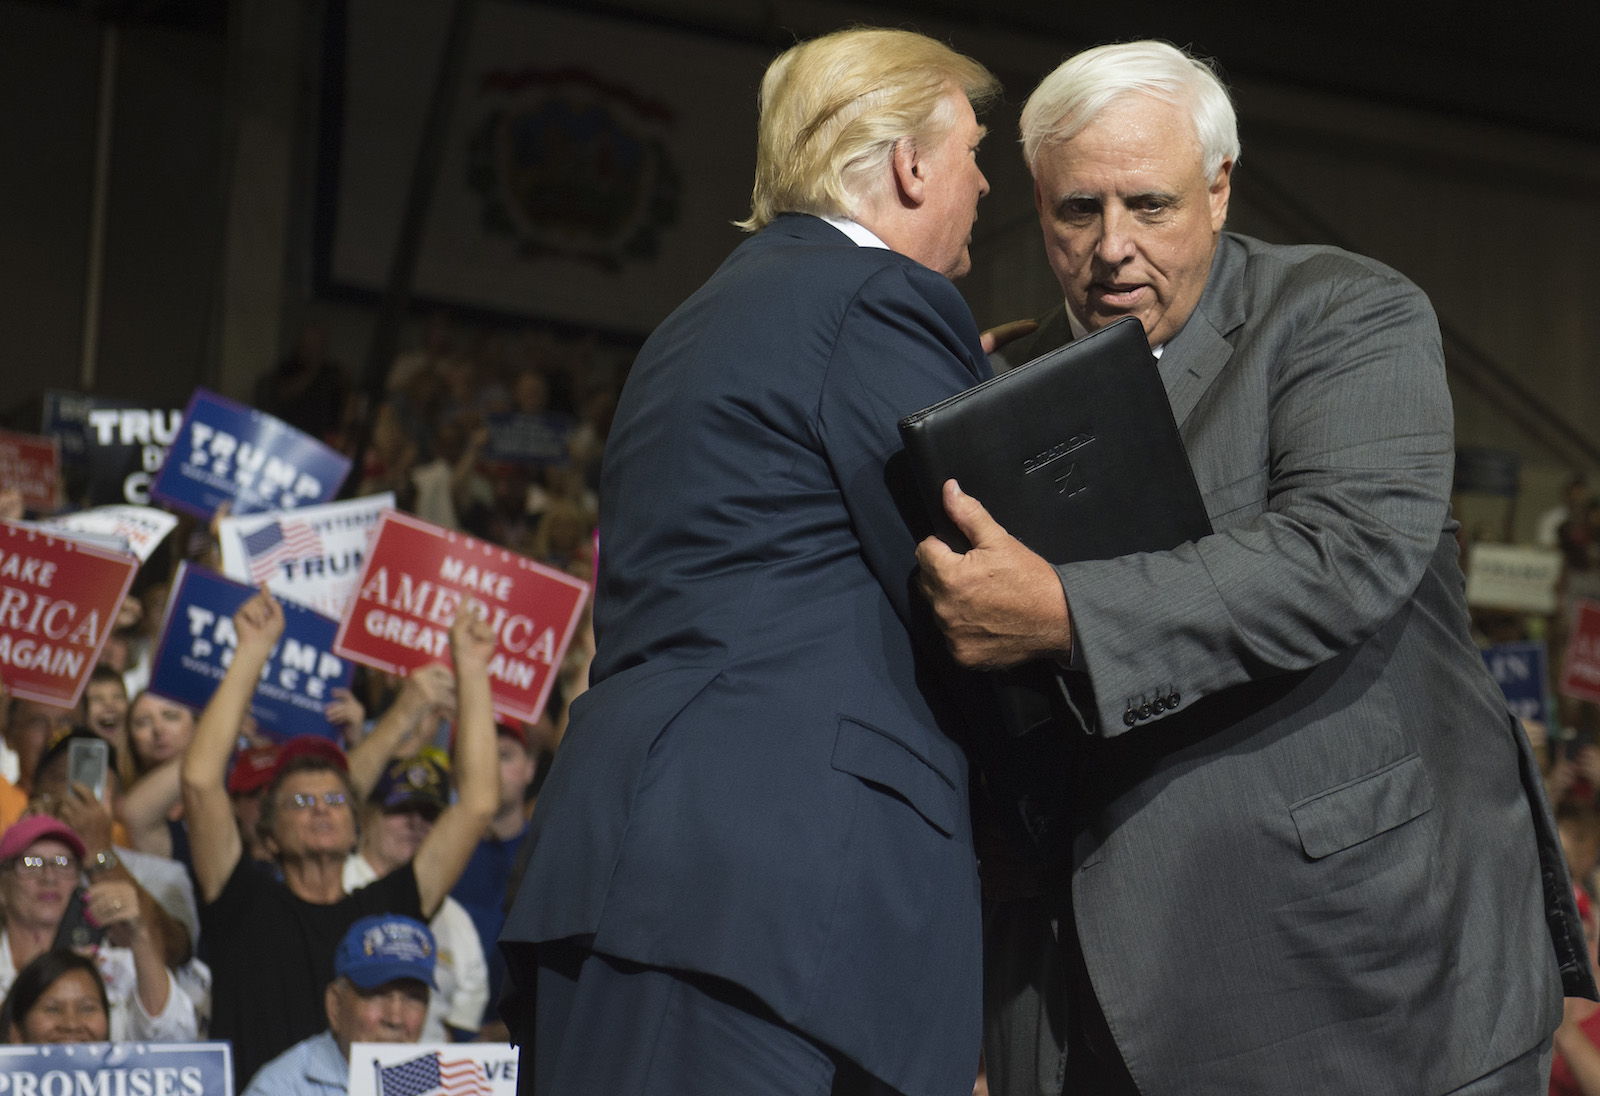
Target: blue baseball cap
(384,948)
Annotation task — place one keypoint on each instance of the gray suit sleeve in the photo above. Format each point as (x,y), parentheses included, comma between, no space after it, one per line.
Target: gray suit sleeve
(1325,450)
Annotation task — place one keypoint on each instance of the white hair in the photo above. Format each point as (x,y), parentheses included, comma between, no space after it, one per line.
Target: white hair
(1087,83)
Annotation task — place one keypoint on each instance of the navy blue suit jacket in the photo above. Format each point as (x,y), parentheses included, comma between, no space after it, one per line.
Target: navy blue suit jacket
(764,782)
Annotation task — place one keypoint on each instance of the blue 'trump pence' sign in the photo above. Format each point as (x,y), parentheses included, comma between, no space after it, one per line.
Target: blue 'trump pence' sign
(197,645)
(1519,670)
(117,1069)
(227,452)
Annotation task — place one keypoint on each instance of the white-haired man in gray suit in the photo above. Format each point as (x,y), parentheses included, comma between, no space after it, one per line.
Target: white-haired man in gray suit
(1302,847)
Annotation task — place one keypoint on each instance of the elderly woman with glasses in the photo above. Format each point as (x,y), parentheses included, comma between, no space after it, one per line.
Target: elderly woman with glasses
(47,906)
(272,942)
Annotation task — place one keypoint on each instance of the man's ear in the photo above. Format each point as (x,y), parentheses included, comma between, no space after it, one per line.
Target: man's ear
(910,183)
(1219,192)
(330,1005)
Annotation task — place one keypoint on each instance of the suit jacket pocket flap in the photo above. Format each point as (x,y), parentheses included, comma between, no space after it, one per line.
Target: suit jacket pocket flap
(1351,813)
(879,758)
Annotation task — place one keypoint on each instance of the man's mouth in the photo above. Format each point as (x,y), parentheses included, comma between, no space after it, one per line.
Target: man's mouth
(1117,294)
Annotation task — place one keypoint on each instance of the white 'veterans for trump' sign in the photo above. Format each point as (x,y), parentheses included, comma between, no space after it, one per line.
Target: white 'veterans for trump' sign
(420,1069)
(311,555)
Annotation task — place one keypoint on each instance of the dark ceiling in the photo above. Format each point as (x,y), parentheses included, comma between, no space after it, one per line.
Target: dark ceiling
(1533,68)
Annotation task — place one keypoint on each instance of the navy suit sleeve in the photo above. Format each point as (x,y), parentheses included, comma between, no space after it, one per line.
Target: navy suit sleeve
(906,341)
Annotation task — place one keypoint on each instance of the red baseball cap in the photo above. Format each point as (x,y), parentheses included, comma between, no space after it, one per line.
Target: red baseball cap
(309,745)
(252,769)
(24,833)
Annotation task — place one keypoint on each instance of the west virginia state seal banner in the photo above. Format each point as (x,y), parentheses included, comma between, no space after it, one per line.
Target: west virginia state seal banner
(592,172)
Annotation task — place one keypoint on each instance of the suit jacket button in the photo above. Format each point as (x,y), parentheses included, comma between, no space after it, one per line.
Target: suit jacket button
(1144,711)
(1172,700)
(1129,718)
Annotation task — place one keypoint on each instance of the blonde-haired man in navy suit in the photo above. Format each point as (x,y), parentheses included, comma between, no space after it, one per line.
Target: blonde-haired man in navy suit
(751,868)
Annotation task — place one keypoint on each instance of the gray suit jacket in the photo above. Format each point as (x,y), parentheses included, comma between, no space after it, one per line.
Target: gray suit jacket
(1310,850)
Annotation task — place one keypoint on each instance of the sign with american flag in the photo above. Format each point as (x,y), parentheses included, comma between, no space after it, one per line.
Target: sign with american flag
(311,555)
(433,1069)
(276,541)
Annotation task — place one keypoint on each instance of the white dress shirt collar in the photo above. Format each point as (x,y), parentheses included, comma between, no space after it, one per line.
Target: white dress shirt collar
(863,236)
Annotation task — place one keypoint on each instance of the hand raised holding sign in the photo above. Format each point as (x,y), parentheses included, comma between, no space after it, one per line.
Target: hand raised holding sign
(259,623)
(471,639)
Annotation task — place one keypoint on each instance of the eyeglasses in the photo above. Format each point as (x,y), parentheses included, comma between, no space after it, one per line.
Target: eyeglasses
(306,802)
(33,866)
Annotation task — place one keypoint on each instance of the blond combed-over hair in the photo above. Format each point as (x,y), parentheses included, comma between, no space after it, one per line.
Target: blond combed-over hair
(834,108)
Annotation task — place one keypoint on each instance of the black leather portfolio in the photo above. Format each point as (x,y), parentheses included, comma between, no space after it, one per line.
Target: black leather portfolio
(1076,453)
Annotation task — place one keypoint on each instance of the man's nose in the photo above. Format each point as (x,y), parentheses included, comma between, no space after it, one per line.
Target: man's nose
(1116,236)
(394,1009)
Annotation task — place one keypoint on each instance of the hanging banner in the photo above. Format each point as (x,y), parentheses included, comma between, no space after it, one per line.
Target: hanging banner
(137,529)
(415,1069)
(58,604)
(32,464)
(418,574)
(117,1069)
(1580,669)
(312,555)
(227,452)
(110,449)
(197,644)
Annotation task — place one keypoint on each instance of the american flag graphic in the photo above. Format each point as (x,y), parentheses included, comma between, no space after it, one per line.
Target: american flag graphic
(432,1074)
(271,544)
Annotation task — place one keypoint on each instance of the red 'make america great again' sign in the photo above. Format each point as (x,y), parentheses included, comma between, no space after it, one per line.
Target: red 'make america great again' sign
(58,603)
(415,577)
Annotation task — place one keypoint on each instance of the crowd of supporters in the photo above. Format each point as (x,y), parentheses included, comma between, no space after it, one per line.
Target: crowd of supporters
(204,892)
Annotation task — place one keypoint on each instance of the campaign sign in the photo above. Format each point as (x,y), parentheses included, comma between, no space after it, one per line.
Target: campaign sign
(110,448)
(137,529)
(412,1069)
(1512,577)
(1580,670)
(33,464)
(417,575)
(529,439)
(117,1069)
(227,452)
(197,645)
(1519,670)
(58,603)
(312,555)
